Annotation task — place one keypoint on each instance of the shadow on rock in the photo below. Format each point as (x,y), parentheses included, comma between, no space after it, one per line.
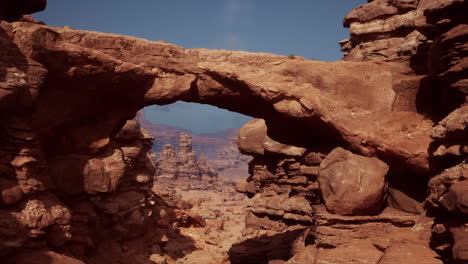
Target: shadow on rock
(262,249)
(10,54)
(41,257)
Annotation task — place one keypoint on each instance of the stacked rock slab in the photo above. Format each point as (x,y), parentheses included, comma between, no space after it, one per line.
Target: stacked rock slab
(185,165)
(424,40)
(282,189)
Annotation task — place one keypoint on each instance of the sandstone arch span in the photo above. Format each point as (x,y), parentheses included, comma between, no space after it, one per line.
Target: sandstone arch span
(72,165)
(86,85)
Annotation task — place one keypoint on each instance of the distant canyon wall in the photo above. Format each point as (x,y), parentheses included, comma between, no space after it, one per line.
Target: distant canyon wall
(202,144)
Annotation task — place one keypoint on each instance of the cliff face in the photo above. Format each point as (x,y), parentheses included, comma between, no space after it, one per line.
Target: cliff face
(356,150)
(423,44)
(424,40)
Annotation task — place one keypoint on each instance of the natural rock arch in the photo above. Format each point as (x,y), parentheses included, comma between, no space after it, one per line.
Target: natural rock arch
(103,79)
(66,96)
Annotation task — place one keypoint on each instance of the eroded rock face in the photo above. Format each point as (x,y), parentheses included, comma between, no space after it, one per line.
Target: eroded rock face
(100,187)
(234,86)
(441,184)
(253,140)
(282,182)
(186,164)
(403,58)
(425,37)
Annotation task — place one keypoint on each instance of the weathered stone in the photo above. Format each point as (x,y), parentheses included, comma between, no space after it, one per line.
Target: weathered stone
(40,257)
(456,198)
(351,184)
(333,230)
(460,246)
(440,184)
(288,208)
(401,201)
(404,252)
(453,126)
(14,10)
(357,252)
(10,191)
(305,256)
(104,174)
(66,94)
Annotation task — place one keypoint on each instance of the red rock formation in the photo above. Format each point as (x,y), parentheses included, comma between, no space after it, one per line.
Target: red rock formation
(313,103)
(404,36)
(186,165)
(76,175)
(351,184)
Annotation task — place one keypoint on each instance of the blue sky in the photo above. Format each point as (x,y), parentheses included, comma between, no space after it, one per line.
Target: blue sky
(307,28)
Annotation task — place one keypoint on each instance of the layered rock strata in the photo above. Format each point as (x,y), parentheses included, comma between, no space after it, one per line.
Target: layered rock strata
(75,175)
(185,164)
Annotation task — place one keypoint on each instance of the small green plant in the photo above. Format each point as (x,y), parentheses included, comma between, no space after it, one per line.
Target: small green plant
(292,56)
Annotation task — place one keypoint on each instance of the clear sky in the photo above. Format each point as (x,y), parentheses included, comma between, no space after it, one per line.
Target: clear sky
(307,28)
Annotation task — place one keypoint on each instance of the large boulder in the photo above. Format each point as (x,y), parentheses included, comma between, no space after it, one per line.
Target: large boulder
(352,184)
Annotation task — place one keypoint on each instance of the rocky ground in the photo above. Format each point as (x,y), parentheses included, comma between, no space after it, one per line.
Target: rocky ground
(223,211)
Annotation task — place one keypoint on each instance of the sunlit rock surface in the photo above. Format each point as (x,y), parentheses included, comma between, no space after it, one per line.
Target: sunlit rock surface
(76,172)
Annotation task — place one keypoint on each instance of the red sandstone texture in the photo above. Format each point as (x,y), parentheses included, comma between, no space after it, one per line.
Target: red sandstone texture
(357,161)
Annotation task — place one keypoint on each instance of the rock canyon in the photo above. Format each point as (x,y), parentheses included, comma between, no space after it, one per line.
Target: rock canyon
(363,160)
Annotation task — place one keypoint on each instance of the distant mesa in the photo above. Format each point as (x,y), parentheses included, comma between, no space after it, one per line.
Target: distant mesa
(185,164)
